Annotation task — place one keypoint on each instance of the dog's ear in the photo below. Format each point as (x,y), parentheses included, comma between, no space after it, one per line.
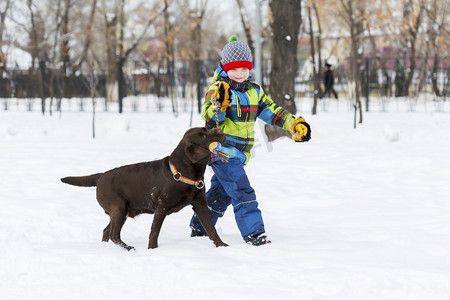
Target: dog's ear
(197,154)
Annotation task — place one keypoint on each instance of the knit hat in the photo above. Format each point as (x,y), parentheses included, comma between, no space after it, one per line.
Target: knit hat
(236,54)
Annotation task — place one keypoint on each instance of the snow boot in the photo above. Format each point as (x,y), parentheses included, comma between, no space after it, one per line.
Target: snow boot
(258,239)
(195,233)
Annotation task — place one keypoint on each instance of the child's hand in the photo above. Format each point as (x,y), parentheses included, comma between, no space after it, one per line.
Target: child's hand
(301,131)
(221,96)
(227,152)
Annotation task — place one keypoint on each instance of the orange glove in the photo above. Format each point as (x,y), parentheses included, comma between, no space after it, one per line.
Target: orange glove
(301,131)
(221,96)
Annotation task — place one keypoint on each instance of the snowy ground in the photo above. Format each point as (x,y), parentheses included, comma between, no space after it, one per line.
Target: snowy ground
(353,214)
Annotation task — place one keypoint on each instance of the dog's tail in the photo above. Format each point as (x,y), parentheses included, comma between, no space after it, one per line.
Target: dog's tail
(90,180)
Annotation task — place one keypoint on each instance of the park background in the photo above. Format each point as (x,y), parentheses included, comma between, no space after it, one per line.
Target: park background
(359,212)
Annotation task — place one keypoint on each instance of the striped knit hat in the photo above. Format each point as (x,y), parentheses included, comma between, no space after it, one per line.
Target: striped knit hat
(236,54)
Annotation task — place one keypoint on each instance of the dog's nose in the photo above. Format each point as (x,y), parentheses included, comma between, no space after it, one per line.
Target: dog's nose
(217,131)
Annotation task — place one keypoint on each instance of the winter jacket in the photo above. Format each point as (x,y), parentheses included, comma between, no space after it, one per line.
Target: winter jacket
(328,80)
(238,122)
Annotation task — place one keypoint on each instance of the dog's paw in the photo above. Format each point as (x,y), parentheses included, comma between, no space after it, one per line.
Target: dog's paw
(220,244)
(126,247)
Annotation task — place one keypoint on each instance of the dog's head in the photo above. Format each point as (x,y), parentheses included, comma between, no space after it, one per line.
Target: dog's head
(196,143)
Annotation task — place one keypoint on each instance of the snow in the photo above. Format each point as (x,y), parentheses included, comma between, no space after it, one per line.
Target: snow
(353,214)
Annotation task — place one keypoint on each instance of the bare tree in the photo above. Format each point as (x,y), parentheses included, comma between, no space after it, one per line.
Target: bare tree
(37,38)
(117,55)
(111,23)
(413,31)
(380,17)
(3,11)
(246,26)
(195,73)
(353,15)
(316,63)
(64,43)
(169,41)
(93,82)
(436,31)
(87,37)
(411,21)
(53,76)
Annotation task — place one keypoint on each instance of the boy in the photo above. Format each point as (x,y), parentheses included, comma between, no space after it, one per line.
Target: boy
(237,102)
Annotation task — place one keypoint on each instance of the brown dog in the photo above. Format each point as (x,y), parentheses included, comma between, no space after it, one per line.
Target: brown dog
(159,187)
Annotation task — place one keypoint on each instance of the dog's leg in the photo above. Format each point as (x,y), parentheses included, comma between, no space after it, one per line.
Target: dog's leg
(158,219)
(203,214)
(105,237)
(118,216)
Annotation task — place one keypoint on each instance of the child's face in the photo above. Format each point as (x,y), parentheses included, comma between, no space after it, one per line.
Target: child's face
(238,74)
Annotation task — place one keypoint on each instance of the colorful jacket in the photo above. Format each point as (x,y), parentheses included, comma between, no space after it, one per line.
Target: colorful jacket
(238,122)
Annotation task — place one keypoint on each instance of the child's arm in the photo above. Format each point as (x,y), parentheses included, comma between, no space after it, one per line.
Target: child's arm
(275,115)
(272,114)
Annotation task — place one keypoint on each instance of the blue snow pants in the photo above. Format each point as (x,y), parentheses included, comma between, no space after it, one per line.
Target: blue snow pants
(230,185)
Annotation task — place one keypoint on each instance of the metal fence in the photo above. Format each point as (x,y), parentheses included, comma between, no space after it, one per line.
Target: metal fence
(387,85)
(391,77)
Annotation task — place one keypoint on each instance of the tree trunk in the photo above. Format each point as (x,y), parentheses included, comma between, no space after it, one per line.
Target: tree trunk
(285,27)
(435,34)
(316,82)
(37,54)
(121,58)
(434,75)
(64,46)
(354,18)
(319,48)
(112,88)
(42,79)
(413,30)
(121,84)
(169,57)
(2,27)
(195,73)
(356,66)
